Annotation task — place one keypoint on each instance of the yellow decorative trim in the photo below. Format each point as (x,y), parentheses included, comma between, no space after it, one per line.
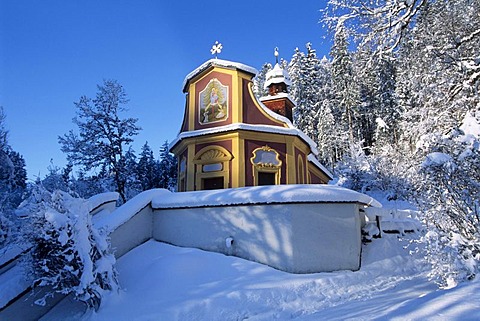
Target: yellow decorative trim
(212,155)
(266,167)
(290,158)
(300,170)
(191,106)
(237,174)
(317,172)
(236,99)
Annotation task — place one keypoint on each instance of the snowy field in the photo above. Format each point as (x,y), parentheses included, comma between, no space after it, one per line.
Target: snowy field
(163,282)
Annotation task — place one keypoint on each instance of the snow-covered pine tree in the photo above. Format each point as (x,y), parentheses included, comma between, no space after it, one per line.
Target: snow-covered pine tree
(259,81)
(56,179)
(69,255)
(13,177)
(132,185)
(377,112)
(326,130)
(369,109)
(167,168)
(308,82)
(326,136)
(345,88)
(86,186)
(388,112)
(147,170)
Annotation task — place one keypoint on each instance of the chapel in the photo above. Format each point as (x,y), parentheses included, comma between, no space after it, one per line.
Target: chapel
(230,139)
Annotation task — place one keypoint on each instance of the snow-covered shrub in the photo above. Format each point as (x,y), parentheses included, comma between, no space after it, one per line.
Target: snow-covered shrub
(69,254)
(448,188)
(389,173)
(453,258)
(354,170)
(382,171)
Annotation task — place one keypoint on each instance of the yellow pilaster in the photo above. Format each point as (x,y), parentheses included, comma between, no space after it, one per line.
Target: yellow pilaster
(238,176)
(290,160)
(192,107)
(191,168)
(236,99)
(241,161)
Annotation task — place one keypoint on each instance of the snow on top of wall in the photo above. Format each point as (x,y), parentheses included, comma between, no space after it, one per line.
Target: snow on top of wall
(162,198)
(314,160)
(263,195)
(220,63)
(110,221)
(100,199)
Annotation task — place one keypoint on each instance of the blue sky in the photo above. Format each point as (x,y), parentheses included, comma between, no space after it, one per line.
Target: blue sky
(53,52)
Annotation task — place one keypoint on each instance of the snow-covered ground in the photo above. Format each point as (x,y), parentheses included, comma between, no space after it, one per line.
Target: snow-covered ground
(164,282)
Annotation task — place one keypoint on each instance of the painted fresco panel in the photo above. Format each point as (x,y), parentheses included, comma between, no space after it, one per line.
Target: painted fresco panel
(213,101)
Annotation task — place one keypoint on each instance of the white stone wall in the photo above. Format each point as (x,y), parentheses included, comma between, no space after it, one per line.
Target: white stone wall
(132,233)
(298,238)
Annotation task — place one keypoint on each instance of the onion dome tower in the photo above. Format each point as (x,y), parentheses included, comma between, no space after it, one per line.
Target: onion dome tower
(277,81)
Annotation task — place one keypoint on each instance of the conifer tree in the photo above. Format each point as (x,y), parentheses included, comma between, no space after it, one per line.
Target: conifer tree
(345,90)
(147,170)
(13,178)
(306,75)
(131,182)
(259,81)
(167,168)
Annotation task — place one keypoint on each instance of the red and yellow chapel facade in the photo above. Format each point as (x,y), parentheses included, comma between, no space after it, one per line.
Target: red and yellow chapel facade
(229,138)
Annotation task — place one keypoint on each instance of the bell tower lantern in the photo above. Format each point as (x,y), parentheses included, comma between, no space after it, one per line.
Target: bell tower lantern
(277,81)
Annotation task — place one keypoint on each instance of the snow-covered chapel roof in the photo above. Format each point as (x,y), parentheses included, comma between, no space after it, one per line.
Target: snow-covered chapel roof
(219,63)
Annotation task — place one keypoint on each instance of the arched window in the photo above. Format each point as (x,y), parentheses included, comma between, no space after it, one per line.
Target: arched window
(300,170)
(266,166)
(212,168)
(182,169)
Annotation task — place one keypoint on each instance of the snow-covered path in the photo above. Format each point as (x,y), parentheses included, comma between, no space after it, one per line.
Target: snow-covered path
(163,282)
